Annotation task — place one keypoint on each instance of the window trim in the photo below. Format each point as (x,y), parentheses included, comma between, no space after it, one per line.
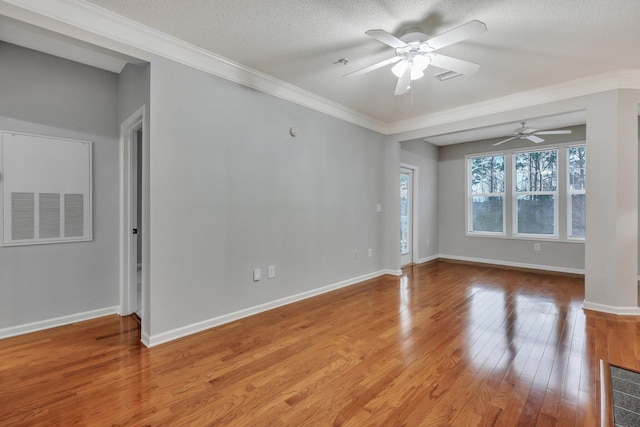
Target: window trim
(515,194)
(561,209)
(469,196)
(571,193)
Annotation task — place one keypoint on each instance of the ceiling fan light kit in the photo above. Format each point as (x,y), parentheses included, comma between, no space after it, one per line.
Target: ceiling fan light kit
(414,52)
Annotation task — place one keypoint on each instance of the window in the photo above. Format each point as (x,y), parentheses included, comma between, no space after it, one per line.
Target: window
(542,196)
(486,194)
(576,192)
(535,193)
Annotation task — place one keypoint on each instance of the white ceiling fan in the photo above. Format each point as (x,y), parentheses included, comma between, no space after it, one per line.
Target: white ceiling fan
(532,134)
(414,52)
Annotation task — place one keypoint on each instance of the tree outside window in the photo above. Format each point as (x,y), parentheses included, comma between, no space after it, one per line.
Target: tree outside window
(486,193)
(535,188)
(576,203)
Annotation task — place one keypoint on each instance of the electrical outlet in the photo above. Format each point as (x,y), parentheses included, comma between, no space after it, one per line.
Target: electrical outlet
(536,246)
(257,274)
(272,271)
(355,254)
(370,252)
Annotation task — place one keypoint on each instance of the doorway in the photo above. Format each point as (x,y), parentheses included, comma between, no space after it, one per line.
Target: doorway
(407,217)
(134,210)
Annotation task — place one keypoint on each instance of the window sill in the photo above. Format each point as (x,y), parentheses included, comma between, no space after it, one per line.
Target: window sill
(529,237)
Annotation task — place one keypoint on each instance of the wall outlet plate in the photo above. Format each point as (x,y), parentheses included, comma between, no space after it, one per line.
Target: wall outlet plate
(257,274)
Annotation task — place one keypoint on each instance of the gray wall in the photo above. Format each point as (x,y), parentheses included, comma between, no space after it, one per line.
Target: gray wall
(451,205)
(42,94)
(231,191)
(425,157)
(133,90)
(133,93)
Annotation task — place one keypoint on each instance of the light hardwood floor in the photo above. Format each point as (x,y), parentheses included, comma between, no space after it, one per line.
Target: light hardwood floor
(445,344)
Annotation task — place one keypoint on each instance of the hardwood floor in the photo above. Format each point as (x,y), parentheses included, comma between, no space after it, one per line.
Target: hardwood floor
(445,344)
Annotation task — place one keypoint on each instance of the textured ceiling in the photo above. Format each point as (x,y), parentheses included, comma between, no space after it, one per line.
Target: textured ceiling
(529,44)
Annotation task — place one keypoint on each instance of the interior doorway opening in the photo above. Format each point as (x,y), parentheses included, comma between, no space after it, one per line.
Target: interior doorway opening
(134,209)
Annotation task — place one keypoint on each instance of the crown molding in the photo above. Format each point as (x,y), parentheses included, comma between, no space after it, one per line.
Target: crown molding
(88,22)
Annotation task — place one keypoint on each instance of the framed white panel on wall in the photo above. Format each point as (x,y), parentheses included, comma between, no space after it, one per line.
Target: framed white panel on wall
(46,189)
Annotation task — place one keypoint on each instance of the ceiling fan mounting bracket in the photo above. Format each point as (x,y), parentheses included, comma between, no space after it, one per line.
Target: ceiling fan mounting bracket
(414,36)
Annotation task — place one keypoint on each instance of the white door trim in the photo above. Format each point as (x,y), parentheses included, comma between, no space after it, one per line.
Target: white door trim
(414,210)
(128,261)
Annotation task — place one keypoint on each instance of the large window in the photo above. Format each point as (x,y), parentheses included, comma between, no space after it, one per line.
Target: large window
(536,193)
(576,192)
(486,195)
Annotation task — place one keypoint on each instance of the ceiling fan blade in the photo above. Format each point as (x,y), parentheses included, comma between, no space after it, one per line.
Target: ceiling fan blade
(386,38)
(463,32)
(553,132)
(453,64)
(372,67)
(506,140)
(534,138)
(404,82)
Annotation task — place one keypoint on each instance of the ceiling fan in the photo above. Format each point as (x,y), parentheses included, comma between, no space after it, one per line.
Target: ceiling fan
(532,134)
(414,52)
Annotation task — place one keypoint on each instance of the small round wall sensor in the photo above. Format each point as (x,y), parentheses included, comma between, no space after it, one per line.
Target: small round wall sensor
(293,131)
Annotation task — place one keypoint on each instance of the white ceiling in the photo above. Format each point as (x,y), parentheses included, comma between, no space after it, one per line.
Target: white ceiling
(528,45)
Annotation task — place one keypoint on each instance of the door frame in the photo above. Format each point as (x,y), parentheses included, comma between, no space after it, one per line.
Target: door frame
(414,212)
(128,247)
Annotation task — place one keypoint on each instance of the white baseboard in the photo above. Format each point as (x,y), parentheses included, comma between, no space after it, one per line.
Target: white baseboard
(145,338)
(427,259)
(392,272)
(620,311)
(161,338)
(58,321)
(514,264)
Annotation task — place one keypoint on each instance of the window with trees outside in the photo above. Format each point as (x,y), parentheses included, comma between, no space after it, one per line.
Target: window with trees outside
(576,192)
(543,196)
(536,192)
(486,195)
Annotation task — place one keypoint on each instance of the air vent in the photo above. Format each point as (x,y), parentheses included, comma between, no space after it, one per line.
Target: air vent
(49,215)
(73,215)
(22,216)
(447,75)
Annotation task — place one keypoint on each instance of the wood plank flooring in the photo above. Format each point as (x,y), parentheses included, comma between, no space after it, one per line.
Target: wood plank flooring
(446,344)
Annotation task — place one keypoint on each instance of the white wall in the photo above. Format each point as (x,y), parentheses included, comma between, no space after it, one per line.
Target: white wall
(42,94)
(231,191)
(425,157)
(452,194)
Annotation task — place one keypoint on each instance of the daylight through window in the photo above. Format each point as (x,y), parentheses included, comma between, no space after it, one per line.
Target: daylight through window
(487,194)
(536,192)
(576,192)
(528,194)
